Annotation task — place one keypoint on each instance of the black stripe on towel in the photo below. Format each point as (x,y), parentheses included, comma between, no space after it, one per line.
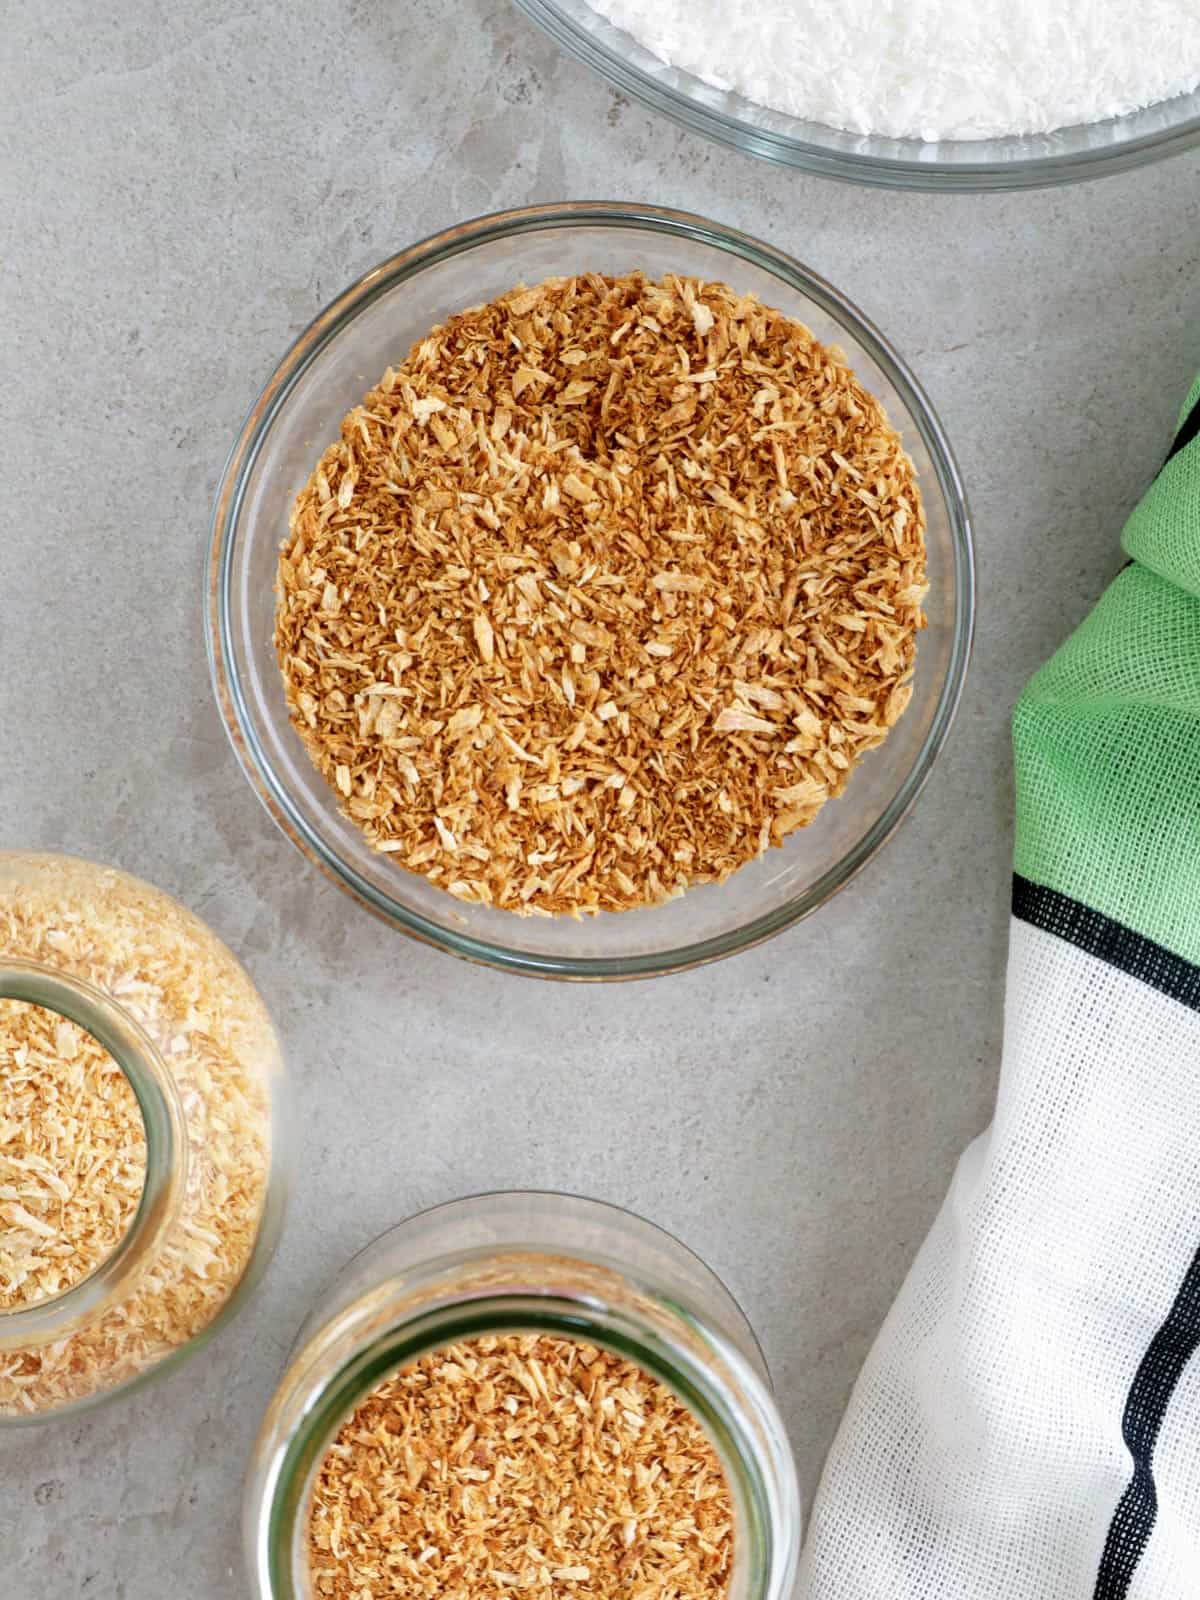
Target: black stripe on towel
(1171,1348)
(1177,1340)
(1107,940)
(1189,430)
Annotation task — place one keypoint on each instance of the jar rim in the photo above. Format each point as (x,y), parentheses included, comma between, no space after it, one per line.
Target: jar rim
(141,1062)
(584,1206)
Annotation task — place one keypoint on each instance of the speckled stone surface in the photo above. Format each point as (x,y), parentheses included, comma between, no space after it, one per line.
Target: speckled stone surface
(185,185)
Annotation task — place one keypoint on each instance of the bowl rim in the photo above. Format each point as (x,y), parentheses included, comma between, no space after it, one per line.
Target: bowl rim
(906,166)
(230,693)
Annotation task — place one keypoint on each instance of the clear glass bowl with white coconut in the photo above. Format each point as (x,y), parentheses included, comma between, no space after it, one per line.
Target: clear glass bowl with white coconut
(1086,90)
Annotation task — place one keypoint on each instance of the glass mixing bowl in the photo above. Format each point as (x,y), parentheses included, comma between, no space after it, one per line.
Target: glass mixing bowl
(328,370)
(1021,162)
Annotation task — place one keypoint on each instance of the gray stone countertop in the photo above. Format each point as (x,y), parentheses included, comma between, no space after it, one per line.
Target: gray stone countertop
(185,185)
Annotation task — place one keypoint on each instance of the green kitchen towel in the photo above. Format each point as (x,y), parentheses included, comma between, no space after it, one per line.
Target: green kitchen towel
(1026,1426)
(1107,736)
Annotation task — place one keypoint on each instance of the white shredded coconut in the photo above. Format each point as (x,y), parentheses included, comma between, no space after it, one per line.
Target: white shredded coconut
(930,69)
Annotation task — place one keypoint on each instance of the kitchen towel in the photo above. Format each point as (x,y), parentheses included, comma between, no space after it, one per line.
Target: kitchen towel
(1027,1426)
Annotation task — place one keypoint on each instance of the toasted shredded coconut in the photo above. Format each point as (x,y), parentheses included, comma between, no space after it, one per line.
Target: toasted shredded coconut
(544,1465)
(72,1154)
(602,592)
(197,1005)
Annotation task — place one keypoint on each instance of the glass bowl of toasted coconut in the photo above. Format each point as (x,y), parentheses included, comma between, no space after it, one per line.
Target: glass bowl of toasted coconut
(590,592)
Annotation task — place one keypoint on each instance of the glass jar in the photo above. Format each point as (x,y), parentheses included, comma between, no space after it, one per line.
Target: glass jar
(532,1263)
(180,1019)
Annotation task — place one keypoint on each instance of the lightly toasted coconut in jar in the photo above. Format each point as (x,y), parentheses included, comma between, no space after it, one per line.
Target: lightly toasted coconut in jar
(172,976)
(72,1154)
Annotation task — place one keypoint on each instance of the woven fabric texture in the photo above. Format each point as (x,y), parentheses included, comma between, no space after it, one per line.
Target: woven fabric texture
(1027,1426)
(983,1454)
(1107,745)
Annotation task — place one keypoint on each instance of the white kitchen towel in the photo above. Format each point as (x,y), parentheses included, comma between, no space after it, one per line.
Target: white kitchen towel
(1027,1426)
